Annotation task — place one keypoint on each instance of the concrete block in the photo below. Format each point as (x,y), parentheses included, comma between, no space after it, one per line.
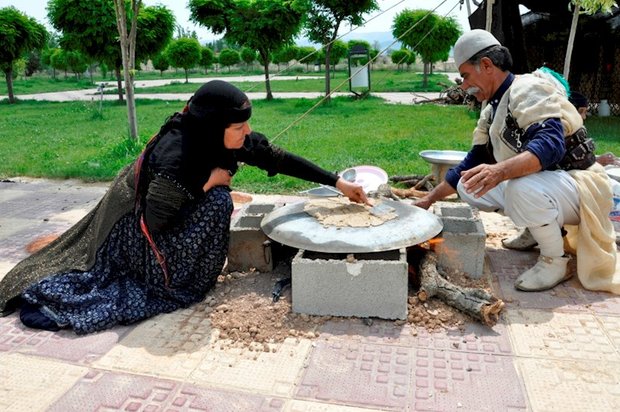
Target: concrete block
(463,239)
(249,247)
(360,284)
(447,210)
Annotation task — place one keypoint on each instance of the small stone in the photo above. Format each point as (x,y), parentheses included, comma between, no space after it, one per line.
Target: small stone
(223,308)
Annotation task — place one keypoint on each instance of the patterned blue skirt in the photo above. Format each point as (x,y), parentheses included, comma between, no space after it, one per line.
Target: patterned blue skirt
(126,284)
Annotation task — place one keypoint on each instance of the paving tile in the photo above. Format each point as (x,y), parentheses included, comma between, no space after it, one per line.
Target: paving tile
(170,345)
(13,248)
(472,337)
(560,335)
(506,265)
(452,380)
(105,391)
(275,372)
(601,302)
(380,331)
(31,384)
(62,345)
(571,385)
(611,326)
(358,374)
(296,405)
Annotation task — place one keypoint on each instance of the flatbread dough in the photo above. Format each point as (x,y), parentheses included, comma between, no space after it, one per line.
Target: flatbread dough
(342,213)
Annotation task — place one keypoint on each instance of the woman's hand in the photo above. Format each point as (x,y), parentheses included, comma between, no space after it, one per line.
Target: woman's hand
(219,177)
(353,191)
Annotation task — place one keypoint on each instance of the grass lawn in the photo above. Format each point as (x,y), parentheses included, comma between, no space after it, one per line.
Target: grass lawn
(71,140)
(64,140)
(381,81)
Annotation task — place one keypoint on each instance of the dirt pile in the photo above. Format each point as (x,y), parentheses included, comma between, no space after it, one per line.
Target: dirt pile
(241,308)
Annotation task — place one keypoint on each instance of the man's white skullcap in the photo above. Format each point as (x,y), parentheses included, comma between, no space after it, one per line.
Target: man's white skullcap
(471,43)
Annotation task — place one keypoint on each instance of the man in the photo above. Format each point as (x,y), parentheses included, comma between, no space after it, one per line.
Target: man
(581,104)
(512,168)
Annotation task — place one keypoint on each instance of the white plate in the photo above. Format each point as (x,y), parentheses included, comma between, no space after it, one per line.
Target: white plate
(443,157)
(369,177)
(613,172)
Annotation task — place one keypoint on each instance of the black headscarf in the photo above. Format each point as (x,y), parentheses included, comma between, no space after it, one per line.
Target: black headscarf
(578,100)
(190,144)
(219,102)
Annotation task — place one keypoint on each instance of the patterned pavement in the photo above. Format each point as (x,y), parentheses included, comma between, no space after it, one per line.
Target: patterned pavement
(551,351)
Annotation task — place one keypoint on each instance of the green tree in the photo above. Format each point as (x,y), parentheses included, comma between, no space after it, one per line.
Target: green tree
(19,68)
(339,50)
(155,28)
(19,34)
(262,25)
(58,60)
(91,27)
(33,62)
(76,62)
(306,55)
(207,58)
(229,57)
(325,19)
(284,55)
(160,62)
(184,53)
(248,56)
(410,59)
(427,34)
(400,57)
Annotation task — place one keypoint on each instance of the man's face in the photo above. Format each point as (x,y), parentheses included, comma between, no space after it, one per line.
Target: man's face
(234,135)
(583,111)
(477,79)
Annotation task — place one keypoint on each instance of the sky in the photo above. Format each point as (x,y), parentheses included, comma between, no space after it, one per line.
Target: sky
(382,23)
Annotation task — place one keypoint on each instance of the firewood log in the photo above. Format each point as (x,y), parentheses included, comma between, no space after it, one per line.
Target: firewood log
(475,302)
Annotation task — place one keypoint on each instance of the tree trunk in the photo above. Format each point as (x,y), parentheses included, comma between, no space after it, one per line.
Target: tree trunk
(119,82)
(265,58)
(186,77)
(477,303)
(425,78)
(489,18)
(328,86)
(128,44)
(8,75)
(571,42)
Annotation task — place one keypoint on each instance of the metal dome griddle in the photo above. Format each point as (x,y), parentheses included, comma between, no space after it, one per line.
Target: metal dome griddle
(292,226)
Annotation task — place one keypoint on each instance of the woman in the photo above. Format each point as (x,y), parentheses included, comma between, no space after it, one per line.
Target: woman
(158,239)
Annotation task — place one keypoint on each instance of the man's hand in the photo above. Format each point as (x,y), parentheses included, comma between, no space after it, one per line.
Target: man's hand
(219,177)
(482,178)
(353,191)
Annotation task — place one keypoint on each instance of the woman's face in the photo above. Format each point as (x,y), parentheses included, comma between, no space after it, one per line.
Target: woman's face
(234,135)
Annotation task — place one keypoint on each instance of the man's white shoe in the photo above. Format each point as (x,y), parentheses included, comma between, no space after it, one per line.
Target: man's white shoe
(521,241)
(547,273)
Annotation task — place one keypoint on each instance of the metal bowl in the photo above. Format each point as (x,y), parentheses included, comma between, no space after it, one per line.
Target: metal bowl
(443,157)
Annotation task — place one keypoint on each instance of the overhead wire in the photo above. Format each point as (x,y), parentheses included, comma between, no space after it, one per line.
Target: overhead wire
(421,39)
(370,61)
(278,73)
